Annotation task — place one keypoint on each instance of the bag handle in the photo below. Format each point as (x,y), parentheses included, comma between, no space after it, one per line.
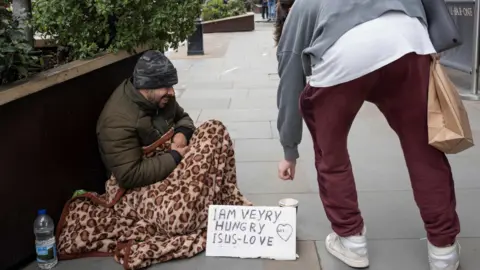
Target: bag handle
(435,56)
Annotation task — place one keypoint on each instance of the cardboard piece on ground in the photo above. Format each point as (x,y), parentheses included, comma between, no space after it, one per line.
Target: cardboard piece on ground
(252,232)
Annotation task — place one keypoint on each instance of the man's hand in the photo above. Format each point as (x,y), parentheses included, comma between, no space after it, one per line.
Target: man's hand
(181,150)
(179,140)
(286,169)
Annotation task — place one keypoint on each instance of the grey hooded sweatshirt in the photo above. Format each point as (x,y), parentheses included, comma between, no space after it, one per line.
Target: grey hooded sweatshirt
(311,28)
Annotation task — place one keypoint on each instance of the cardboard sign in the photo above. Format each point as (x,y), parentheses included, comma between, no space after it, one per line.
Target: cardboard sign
(252,232)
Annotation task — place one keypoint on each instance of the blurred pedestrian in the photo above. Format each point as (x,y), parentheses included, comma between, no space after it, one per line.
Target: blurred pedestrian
(272,7)
(265,9)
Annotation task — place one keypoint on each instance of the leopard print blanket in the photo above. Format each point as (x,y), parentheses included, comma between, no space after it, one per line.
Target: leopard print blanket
(160,222)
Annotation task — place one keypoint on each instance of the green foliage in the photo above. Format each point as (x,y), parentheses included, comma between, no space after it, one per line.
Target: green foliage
(249,5)
(16,61)
(88,27)
(216,9)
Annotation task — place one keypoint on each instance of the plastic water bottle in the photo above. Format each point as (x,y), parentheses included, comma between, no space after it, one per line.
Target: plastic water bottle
(45,240)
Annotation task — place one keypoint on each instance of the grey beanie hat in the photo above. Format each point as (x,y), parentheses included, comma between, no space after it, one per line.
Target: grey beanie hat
(154,70)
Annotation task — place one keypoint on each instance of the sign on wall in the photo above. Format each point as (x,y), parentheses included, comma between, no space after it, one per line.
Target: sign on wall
(461,57)
(251,232)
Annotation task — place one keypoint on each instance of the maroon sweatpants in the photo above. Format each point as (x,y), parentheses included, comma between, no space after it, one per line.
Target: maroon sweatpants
(400,92)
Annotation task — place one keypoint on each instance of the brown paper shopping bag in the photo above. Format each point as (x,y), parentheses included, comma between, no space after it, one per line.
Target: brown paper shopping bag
(448,126)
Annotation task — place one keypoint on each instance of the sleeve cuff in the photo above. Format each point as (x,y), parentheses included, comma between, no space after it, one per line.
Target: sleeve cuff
(291,153)
(176,156)
(187,132)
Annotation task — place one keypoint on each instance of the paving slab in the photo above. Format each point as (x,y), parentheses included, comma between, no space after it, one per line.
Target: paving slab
(258,150)
(271,150)
(107,263)
(262,93)
(239,115)
(261,178)
(194,114)
(215,46)
(242,73)
(402,254)
(200,81)
(247,130)
(472,104)
(305,132)
(308,259)
(200,103)
(254,103)
(256,84)
(465,171)
(216,93)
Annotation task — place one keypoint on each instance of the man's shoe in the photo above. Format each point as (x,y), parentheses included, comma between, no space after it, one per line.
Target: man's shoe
(446,258)
(351,250)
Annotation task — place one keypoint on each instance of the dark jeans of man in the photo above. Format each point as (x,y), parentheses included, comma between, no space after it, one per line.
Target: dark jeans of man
(400,91)
(264,11)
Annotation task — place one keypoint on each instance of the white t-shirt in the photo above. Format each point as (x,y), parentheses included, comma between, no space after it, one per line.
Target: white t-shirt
(371,46)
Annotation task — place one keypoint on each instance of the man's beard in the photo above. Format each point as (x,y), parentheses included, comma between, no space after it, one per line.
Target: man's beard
(164,100)
(160,102)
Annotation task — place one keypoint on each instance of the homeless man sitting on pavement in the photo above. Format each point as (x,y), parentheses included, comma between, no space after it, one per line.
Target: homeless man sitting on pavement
(156,204)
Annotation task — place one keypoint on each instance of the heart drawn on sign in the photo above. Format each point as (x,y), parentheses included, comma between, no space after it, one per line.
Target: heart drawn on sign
(284,231)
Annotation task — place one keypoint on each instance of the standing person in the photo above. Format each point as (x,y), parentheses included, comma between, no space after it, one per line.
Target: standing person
(272,6)
(356,51)
(264,9)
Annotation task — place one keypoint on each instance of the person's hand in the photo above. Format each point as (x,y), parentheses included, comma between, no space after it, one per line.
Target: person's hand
(286,169)
(181,150)
(179,140)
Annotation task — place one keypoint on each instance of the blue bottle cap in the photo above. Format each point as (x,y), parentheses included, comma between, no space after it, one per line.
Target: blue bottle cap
(42,212)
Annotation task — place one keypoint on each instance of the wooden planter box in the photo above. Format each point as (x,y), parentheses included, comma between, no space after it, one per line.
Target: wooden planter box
(240,23)
(49,145)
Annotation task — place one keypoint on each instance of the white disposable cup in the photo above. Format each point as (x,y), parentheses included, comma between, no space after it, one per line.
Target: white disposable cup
(288,202)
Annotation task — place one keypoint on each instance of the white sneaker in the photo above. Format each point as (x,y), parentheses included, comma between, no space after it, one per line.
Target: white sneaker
(446,258)
(351,250)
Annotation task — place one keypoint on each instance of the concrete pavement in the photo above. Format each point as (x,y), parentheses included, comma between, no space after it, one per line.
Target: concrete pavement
(235,82)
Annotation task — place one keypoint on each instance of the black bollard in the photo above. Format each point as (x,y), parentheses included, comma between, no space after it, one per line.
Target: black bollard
(195,41)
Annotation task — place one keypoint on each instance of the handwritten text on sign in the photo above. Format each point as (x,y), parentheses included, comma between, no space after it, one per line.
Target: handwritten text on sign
(251,232)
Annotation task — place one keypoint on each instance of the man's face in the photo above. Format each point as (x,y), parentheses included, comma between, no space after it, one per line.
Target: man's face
(159,96)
